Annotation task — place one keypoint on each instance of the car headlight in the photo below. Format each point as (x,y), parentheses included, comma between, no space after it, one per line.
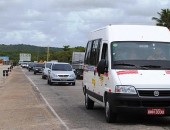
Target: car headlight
(72,75)
(125,89)
(53,75)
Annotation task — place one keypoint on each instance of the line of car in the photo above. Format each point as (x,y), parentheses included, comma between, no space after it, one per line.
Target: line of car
(55,72)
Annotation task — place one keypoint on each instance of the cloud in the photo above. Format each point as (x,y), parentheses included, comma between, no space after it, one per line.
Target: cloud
(57,23)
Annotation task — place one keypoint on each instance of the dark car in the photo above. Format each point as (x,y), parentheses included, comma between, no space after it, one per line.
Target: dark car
(38,68)
(31,66)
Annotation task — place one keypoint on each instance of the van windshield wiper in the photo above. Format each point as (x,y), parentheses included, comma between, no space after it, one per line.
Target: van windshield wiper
(124,64)
(151,66)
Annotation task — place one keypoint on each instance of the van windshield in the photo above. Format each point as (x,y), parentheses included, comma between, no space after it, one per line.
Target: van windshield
(140,55)
(61,67)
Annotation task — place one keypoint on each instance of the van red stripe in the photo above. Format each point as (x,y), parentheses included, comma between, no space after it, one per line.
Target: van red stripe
(127,72)
(167,71)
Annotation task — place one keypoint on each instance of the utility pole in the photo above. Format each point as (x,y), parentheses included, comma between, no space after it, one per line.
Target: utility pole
(38,54)
(47,53)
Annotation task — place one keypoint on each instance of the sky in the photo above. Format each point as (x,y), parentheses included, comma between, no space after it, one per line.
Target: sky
(56,23)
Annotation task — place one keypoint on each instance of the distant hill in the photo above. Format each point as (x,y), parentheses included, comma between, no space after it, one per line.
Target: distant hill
(37,52)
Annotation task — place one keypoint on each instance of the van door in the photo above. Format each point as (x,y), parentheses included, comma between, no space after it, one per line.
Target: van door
(102,78)
(91,61)
(88,69)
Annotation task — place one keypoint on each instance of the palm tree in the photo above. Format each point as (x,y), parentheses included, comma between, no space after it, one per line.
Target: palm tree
(164,19)
(66,48)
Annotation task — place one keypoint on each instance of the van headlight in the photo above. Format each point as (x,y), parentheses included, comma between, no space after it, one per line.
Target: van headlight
(125,89)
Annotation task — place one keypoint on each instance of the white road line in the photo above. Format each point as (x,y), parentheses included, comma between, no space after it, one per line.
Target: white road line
(52,110)
(32,82)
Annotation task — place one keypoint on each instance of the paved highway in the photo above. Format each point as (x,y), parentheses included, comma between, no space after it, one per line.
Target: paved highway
(67,103)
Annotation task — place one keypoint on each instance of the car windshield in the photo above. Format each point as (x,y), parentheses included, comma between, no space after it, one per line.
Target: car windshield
(61,67)
(31,64)
(39,65)
(48,65)
(140,55)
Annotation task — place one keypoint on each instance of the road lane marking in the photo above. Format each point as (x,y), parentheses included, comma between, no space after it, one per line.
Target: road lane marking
(50,107)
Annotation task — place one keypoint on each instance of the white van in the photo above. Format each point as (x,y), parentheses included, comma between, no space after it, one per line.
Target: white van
(127,70)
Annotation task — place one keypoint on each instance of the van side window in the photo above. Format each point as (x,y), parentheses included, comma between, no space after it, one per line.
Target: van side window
(94,58)
(88,51)
(105,52)
(92,52)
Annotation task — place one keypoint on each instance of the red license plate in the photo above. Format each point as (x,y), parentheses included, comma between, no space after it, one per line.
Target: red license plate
(156,111)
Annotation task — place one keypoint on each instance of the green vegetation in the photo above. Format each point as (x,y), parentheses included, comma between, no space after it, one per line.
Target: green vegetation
(164,18)
(39,53)
(65,54)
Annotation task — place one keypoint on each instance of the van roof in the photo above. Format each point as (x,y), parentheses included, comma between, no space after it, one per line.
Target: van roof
(131,33)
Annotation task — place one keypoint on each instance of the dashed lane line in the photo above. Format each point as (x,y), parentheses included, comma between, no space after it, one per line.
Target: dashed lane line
(50,107)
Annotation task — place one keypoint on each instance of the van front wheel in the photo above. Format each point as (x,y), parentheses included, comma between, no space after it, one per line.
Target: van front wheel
(89,104)
(110,116)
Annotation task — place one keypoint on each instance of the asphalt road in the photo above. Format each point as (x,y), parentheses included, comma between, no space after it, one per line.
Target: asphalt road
(68,103)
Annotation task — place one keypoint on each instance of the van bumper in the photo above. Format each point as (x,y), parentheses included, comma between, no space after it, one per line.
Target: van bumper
(133,104)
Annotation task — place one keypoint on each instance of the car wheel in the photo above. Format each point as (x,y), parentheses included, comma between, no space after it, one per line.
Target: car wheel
(77,77)
(35,73)
(43,77)
(73,83)
(89,104)
(110,116)
(50,83)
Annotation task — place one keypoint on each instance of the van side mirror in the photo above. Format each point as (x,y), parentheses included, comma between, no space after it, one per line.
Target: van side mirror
(102,67)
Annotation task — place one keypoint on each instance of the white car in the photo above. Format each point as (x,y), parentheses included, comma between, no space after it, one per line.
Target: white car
(46,69)
(61,73)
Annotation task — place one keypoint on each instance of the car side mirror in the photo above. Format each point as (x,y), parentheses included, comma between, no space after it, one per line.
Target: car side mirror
(74,70)
(102,67)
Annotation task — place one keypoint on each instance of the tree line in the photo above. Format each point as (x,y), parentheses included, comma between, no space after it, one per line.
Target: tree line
(39,53)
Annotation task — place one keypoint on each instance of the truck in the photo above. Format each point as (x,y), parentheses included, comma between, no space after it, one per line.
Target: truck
(77,63)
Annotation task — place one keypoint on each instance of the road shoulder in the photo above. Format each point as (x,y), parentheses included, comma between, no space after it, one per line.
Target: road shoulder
(22,107)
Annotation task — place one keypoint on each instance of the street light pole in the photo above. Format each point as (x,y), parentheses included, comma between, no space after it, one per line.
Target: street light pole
(47,53)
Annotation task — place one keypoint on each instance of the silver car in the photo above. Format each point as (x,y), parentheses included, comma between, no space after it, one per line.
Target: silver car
(46,69)
(61,73)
